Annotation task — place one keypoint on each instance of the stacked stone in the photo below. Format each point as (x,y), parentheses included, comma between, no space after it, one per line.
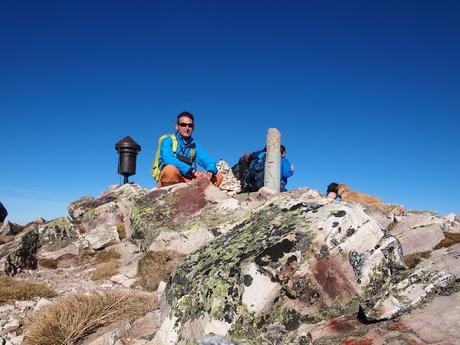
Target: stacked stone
(230,183)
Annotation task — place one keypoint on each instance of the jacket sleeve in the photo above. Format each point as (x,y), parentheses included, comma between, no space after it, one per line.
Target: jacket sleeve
(286,171)
(204,160)
(167,157)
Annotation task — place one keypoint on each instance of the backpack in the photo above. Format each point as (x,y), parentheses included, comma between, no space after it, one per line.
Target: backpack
(250,171)
(157,166)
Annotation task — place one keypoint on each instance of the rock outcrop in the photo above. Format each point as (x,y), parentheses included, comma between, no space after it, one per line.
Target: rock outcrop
(260,269)
(298,259)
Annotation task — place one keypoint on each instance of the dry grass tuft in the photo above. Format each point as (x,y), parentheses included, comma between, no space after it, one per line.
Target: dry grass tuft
(13,289)
(413,260)
(121,230)
(105,270)
(108,262)
(84,257)
(47,263)
(155,267)
(450,240)
(74,317)
(107,255)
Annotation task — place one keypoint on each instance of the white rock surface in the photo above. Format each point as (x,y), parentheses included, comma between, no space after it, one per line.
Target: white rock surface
(445,259)
(181,242)
(123,280)
(71,250)
(102,236)
(418,239)
(261,293)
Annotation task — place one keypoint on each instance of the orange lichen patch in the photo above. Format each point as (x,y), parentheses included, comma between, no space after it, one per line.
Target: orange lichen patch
(354,341)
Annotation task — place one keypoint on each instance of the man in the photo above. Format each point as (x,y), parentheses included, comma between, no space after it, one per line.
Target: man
(287,169)
(178,154)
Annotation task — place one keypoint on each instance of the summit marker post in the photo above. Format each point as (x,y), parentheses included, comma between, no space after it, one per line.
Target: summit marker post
(272,173)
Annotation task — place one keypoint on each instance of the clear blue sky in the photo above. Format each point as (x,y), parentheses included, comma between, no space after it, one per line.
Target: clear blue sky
(363,92)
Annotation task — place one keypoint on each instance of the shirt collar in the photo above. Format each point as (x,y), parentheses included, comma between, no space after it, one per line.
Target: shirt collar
(186,141)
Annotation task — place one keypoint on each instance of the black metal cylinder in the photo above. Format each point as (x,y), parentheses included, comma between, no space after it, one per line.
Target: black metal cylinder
(127,162)
(127,149)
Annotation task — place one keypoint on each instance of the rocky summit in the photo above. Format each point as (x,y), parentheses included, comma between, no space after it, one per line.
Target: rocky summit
(225,268)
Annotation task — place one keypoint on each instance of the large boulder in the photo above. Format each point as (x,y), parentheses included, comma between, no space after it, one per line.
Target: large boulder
(25,255)
(419,232)
(299,259)
(183,217)
(105,221)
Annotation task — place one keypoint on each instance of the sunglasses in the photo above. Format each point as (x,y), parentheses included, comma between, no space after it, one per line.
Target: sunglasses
(183,125)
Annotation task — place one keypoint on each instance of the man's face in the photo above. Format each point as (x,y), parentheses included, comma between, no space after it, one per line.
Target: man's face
(185,126)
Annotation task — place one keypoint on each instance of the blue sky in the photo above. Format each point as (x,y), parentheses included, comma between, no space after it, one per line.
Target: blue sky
(363,92)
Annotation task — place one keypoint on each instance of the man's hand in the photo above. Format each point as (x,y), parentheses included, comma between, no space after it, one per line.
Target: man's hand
(203,175)
(292,167)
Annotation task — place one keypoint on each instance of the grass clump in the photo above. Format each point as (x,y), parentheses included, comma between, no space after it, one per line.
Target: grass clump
(107,262)
(155,267)
(13,289)
(449,240)
(47,263)
(413,260)
(71,319)
(105,270)
(121,230)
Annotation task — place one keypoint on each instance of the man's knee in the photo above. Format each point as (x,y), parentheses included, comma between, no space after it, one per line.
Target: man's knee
(169,175)
(170,170)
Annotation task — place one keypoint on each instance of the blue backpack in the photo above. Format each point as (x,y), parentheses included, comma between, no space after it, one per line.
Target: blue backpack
(255,177)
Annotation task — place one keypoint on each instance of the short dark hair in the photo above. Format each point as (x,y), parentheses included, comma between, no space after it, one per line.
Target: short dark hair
(282,149)
(186,114)
(333,187)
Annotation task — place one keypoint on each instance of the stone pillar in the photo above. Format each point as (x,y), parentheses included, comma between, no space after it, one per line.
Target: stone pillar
(273,160)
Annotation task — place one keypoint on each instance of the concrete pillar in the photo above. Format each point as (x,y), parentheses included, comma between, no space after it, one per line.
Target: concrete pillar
(273,160)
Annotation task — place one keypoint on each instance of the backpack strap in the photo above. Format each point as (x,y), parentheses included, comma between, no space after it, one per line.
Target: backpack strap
(157,166)
(192,154)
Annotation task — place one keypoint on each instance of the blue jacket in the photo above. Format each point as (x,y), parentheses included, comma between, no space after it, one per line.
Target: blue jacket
(286,171)
(183,148)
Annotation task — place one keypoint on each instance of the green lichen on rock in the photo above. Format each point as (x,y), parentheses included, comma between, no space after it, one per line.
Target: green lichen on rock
(290,262)
(211,279)
(57,230)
